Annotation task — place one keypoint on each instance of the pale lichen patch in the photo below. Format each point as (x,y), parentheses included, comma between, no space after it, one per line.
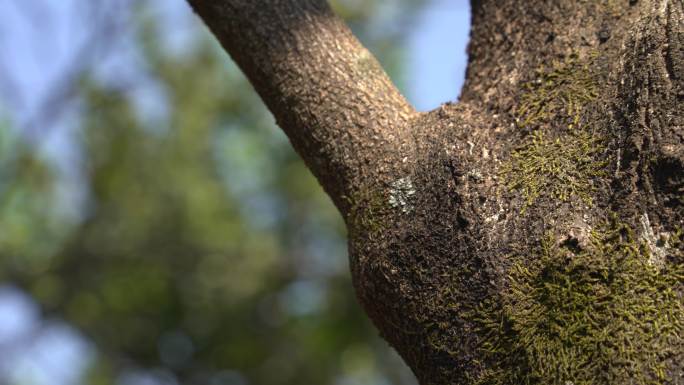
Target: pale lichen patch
(657,248)
(401,192)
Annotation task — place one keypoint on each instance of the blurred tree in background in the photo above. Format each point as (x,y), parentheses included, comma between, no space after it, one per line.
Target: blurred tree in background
(205,252)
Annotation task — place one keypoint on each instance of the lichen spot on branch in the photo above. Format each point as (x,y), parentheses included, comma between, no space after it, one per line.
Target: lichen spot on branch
(401,193)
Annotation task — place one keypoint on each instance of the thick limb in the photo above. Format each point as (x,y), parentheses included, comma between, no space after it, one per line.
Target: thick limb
(327,92)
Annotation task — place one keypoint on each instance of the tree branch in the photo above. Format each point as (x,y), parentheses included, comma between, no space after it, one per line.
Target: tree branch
(327,92)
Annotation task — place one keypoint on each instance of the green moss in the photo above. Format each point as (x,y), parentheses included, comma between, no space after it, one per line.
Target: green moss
(368,212)
(561,155)
(560,168)
(599,316)
(560,90)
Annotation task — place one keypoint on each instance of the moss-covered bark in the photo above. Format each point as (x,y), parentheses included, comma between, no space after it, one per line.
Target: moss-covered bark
(541,246)
(606,314)
(528,234)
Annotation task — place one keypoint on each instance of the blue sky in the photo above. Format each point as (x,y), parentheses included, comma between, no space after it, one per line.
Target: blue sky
(37,45)
(437,53)
(36,55)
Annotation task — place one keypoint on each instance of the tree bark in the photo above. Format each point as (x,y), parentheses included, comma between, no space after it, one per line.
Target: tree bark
(338,107)
(530,233)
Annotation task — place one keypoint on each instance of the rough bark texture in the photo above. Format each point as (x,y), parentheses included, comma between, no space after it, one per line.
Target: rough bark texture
(330,95)
(530,233)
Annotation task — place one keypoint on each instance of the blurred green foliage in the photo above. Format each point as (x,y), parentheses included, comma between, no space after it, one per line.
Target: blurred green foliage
(206,250)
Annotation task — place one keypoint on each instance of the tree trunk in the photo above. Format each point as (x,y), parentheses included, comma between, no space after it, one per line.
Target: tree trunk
(530,233)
